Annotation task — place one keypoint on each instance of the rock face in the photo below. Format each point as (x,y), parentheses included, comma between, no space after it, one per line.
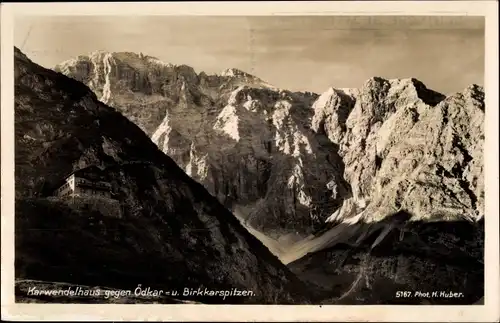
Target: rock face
(246,141)
(341,166)
(172,235)
(408,148)
(287,161)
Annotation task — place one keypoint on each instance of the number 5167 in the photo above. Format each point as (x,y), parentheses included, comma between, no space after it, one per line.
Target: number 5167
(403,294)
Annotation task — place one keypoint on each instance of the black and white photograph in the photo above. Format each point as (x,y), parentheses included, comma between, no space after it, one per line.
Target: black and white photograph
(249,159)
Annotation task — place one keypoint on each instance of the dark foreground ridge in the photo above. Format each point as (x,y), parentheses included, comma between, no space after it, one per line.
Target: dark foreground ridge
(172,234)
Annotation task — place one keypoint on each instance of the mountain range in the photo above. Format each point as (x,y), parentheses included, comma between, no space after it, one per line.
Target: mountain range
(258,147)
(357,190)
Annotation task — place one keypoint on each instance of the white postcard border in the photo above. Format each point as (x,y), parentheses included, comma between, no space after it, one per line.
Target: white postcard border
(187,312)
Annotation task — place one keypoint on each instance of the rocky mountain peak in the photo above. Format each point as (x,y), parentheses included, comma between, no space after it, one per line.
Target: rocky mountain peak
(375,82)
(410,88)
(243,78)
(235,72)
(476,93)
(475,88)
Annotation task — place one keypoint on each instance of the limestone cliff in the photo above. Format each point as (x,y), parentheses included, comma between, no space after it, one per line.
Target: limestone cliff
(408,148)
(246,141)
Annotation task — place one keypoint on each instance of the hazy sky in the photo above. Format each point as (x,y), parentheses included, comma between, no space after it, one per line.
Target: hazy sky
(308,53)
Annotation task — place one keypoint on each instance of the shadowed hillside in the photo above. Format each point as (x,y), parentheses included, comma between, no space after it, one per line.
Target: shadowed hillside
(173,234)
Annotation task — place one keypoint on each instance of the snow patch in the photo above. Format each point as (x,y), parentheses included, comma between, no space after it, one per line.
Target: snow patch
(106,91)
(228,121)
